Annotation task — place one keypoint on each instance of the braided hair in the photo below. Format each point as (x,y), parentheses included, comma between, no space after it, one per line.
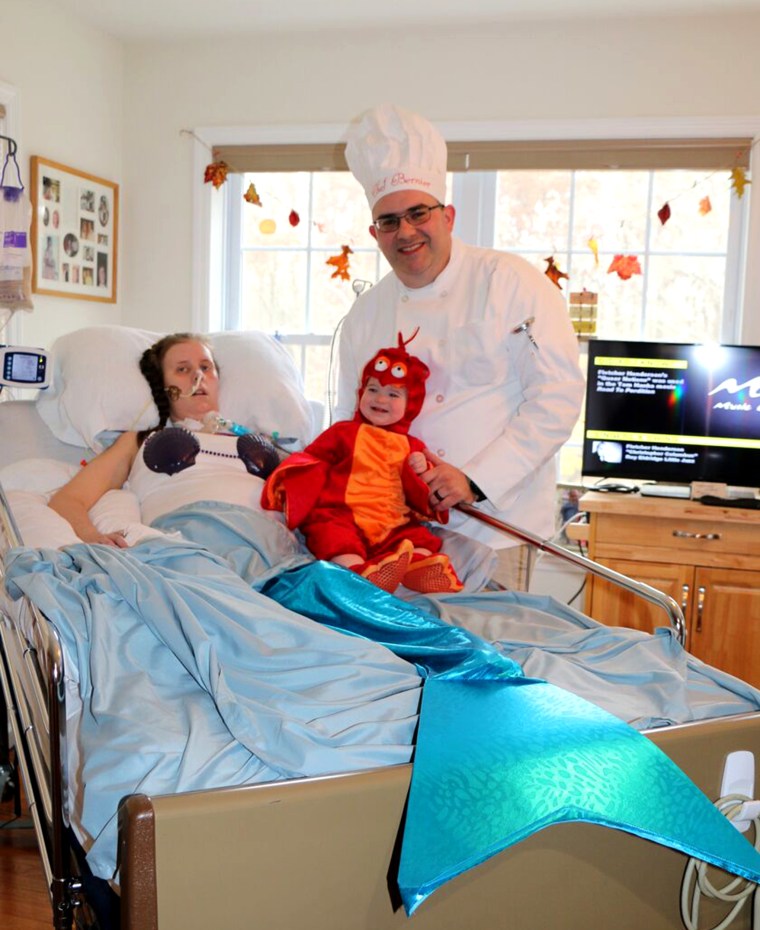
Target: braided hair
(151,366)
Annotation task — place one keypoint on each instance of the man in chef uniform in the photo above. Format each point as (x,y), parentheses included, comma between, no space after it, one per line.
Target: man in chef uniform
(505,388)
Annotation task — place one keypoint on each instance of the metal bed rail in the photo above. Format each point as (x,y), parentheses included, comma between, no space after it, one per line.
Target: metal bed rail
(665,601)
(32,678)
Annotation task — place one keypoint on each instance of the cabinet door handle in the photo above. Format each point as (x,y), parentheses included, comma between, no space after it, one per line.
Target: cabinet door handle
(684,599)
(684,534)
(700,606)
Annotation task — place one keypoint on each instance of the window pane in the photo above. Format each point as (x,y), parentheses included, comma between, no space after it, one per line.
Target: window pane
(610,206)
(340,212)
(532,210)
(685,299)
(331,298)
(313,362)
(688,230)
(279,193)
(274,291)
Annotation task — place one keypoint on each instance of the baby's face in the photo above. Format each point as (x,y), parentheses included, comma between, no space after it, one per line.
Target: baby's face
(382,405)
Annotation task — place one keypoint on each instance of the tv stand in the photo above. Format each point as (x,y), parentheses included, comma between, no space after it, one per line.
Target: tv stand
(707,558)
(665,490)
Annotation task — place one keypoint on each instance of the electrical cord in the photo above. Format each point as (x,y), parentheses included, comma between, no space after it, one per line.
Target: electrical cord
(331,391)
(737,891)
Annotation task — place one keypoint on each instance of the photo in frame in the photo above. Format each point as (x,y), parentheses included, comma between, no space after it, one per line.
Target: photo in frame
(75,225)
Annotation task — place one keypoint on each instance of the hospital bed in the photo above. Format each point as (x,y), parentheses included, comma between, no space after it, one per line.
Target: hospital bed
(320,852)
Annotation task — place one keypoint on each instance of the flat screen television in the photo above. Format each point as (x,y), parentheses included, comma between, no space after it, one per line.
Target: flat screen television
(672,412)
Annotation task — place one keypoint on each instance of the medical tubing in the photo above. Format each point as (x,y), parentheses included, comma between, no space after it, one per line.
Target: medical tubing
(696,871)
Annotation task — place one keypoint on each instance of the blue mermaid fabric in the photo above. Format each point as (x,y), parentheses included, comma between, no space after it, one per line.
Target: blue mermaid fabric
(500,756)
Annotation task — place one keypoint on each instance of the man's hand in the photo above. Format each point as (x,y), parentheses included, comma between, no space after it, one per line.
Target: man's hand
(448,485)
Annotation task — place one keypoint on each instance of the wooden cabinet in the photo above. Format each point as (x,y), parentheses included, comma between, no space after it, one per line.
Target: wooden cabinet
(706,558)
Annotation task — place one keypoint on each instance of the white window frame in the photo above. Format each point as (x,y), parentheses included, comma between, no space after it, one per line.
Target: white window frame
(208,204)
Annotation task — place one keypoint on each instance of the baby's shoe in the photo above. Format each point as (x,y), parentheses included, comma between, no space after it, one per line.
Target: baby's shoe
(387,571)
(432,574)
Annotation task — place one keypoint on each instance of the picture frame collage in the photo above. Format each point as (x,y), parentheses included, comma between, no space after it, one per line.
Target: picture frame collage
(75,222)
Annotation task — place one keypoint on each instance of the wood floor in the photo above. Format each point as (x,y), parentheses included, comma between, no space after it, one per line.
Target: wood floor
(24,899)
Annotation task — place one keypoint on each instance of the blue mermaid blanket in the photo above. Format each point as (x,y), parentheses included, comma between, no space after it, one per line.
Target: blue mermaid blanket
(498,756)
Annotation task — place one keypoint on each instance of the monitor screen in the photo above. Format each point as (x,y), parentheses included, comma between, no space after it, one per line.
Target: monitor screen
(673,412)
(23,367)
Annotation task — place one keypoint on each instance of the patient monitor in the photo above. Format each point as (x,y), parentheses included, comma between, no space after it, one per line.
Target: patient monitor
(24,366)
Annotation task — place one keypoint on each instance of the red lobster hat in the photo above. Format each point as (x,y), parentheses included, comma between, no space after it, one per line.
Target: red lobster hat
(396,366)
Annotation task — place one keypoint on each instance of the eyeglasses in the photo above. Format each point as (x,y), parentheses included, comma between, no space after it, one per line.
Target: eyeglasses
(415,217)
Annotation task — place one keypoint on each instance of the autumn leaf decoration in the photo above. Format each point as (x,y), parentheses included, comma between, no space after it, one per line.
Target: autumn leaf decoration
(625,266)
(593,244)
(705,206)
(663,213)
(252,195)
(341,263)
(553,273)
(216,173)
(739,180)
(294,219)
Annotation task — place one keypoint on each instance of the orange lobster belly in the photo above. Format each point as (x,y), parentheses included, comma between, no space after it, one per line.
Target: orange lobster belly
(374,491)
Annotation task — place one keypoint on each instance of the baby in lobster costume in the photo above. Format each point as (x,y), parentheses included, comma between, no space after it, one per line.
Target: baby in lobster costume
(355,492)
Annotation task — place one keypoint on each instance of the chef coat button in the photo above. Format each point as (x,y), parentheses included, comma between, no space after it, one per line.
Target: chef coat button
(440,452)
(439,398)
(444,294)
(405,297)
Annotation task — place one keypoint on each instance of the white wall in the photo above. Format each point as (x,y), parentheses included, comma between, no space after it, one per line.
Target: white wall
(117,111)
(69,80)
(596,68)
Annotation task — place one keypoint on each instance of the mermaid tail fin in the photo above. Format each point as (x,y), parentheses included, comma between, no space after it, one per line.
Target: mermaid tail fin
(498,761)
(500,756)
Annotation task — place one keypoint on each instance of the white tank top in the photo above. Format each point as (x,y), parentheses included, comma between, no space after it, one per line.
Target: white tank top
(220,476)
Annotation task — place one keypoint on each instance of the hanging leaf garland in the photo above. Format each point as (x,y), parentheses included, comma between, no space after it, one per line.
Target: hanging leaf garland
(705,206)
(663,214)
(553,273)
(739,181)
(593,244)
(216,173)
(340,262)
(625,265)
(252,195)
(294,219)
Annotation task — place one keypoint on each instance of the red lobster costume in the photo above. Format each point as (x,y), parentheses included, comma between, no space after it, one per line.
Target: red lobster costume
(352,490)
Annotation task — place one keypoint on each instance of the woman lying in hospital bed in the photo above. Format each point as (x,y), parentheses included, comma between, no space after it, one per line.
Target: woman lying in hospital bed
(191,675)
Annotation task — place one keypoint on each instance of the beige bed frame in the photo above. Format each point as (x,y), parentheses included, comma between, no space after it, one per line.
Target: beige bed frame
(321,853)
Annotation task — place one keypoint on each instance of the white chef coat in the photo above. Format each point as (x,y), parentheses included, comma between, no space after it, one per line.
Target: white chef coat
(498,406)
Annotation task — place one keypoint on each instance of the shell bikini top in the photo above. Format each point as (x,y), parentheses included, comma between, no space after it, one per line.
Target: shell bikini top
(176,448)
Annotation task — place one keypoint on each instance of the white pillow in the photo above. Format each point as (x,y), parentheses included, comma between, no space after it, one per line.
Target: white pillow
(97,387)
(28,485)
(39,526)
(39,476)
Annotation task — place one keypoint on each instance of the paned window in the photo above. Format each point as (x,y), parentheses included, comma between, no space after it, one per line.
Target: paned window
(275,275)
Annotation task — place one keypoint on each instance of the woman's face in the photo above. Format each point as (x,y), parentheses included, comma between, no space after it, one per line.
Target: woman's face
(190,367)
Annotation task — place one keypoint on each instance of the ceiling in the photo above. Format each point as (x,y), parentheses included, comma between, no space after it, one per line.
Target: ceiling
(138,20)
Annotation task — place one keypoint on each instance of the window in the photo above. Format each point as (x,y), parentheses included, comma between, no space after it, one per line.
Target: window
(277,274)
(688,289)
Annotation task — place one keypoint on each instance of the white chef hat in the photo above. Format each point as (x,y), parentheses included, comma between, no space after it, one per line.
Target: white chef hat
(390,149)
